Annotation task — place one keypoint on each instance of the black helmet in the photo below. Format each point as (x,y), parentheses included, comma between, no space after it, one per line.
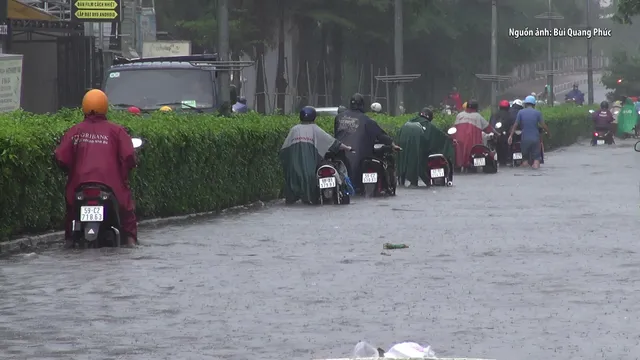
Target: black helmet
(575,86)
(308,114)
(426,113)
(472,104)
(604,105)
(357,102)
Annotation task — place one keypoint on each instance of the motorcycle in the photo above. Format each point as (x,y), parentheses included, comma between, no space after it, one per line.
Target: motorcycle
(97,220)
(333,181)
(483,157)
(601,137)
(379,175)
(438,170)
(515,151)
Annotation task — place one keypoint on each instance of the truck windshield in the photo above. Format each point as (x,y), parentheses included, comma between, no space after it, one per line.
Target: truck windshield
(150,88)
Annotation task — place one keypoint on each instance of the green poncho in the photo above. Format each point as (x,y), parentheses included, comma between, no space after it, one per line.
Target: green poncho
(418,139)
(627,118)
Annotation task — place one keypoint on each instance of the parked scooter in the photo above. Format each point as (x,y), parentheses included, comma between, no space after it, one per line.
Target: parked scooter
(97,221)
(333,181)
(379,172)
(482,157)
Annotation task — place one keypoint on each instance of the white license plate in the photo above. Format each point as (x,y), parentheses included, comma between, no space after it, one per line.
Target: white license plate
(517,156)
(479,162)
(91,214)
(437,173)
(600,142)
(328,182)
(369,178)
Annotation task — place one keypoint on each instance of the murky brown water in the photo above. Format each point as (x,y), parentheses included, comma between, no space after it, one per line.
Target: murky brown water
(518,265)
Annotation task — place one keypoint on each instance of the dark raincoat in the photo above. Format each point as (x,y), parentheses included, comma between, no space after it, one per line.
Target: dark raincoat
(301,154)
(418,139)
(99,151)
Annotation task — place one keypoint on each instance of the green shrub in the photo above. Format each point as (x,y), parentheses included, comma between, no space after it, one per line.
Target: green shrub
(190,163)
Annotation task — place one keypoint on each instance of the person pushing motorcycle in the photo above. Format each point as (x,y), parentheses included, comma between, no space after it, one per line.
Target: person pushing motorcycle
(504,118)
(470,126)
(98,151)
(530,120)
(356,128)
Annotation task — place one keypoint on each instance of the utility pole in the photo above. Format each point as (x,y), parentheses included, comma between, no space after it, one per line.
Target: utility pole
(550,71)
(494,55)
(589,57)
(398,54)
(223,50)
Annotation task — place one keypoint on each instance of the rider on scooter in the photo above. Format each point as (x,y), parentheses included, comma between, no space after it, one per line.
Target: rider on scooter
(98,151)
(603,118)
(469,125)
(575,94)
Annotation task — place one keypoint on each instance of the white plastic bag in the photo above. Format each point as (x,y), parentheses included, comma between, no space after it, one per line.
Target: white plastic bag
(365,350)
(409,350)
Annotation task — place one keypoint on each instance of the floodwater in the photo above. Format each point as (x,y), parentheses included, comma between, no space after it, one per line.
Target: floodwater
(522,264)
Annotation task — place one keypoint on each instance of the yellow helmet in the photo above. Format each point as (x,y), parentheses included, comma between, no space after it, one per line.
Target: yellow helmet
(464,106)
(165,109)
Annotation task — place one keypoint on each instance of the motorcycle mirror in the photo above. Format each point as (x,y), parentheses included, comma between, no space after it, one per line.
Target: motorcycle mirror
(498,125)
(591,111)
(518,132)
(452,131)
(637,147)
(137,142)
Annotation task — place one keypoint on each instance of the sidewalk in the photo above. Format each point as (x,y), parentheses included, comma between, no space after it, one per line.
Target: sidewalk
(561,84)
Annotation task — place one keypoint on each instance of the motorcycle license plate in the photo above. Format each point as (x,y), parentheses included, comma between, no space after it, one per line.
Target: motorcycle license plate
(369,178)
(517,156)
(91,214)
(437,173)
(479,162)
(326,183)
(600,142)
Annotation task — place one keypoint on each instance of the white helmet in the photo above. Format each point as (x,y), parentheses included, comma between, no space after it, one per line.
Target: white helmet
(534,94)
(518,102)
(376,107)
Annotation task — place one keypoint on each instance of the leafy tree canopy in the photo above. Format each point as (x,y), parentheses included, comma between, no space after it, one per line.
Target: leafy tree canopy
(623,75)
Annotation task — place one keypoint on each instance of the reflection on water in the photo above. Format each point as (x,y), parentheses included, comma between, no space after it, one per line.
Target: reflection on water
(524,268)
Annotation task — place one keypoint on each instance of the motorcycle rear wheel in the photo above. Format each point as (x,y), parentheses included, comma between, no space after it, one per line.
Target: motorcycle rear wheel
(370,190)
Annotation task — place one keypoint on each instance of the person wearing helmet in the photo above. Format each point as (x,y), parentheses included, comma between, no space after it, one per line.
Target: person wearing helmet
(165,109)
(98,151)
(576,95)
(503,117)
(376,108)
(301,154)
(530,120)
(627,118)
(419,138)
(469,125)
(240,107)
(134,110)
(602,119)
(454,100)
(356,128)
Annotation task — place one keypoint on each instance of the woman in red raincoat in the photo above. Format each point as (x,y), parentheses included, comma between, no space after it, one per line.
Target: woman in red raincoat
(469,125)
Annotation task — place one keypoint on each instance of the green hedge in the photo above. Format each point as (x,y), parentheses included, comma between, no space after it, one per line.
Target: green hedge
(190,163)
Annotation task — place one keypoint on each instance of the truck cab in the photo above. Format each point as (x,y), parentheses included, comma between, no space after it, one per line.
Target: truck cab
(181,82)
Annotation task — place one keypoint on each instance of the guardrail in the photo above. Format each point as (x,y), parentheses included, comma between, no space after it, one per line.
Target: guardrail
(563,65)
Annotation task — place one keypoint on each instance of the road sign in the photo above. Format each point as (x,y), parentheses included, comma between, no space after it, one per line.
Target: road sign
(96,10)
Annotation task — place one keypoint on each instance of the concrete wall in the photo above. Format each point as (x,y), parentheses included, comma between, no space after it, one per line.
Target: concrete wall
(39,72)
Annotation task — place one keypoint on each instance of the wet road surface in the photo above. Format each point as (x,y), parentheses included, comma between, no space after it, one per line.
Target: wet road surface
(522,264)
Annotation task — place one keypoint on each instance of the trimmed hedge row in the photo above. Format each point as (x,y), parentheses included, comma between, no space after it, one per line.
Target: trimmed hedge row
(190,163)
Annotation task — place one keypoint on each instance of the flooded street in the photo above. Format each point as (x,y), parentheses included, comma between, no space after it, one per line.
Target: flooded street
(519,265)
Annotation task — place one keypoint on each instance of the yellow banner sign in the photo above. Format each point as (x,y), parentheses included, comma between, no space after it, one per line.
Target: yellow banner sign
(96,4)
(96,14)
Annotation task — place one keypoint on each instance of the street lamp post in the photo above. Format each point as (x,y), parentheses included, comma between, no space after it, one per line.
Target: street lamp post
(549,15)
(589,57)
(494,56)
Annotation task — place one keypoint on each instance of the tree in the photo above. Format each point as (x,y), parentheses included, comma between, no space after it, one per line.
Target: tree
(623,75)
(626,10)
